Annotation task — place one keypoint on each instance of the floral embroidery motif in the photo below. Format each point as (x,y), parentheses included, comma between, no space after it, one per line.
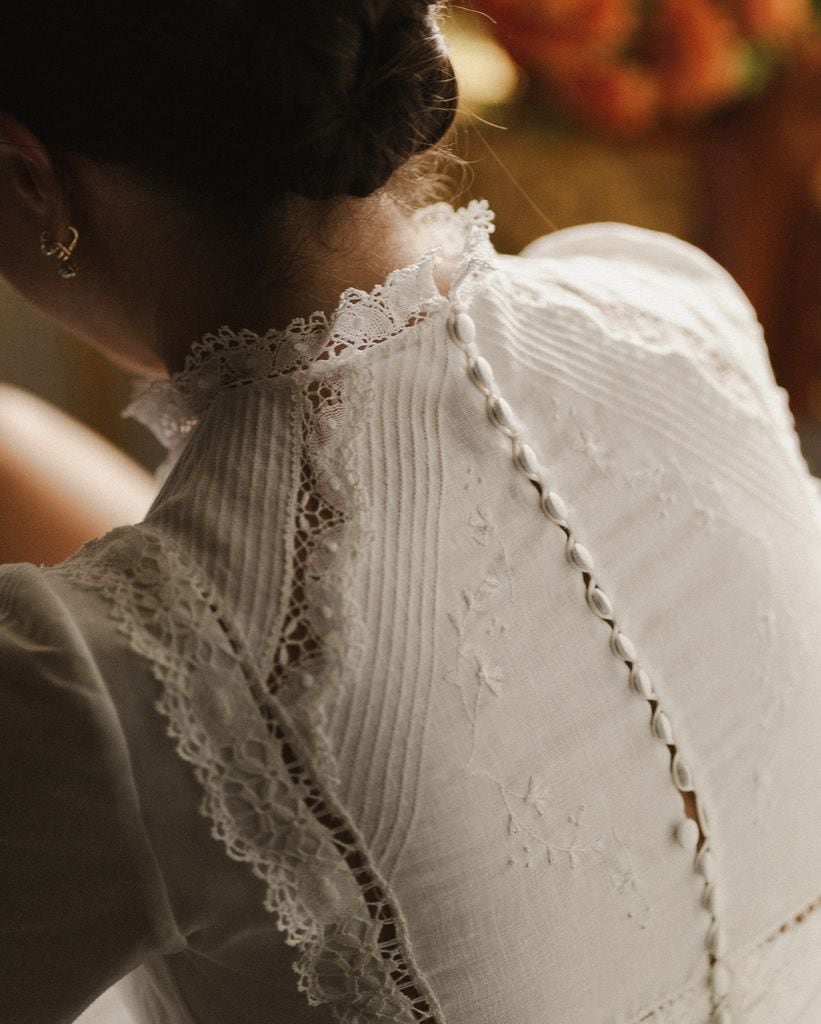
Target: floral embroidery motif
(536,795)
(626,883)
(596,452)
(480,525)
(480,627)
(704,517)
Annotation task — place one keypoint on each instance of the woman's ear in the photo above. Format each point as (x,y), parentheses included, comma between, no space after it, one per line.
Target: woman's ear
(31,168)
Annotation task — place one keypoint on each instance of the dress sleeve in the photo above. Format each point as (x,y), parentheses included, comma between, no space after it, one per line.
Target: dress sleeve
(83,900)
(656,253)
(675,282)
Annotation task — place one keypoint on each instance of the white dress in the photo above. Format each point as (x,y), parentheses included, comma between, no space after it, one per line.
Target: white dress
(386,711)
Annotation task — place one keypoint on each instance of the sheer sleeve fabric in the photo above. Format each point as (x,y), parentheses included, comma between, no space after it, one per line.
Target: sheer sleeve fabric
(83,898)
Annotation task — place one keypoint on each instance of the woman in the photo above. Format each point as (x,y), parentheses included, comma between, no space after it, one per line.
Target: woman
(465,667)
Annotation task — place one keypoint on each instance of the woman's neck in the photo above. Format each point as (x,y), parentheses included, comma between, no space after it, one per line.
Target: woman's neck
(165,277)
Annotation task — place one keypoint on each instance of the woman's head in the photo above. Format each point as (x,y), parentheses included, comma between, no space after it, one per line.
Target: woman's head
(241,99)
(190,140)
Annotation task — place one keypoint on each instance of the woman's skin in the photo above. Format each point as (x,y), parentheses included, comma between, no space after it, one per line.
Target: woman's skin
(154,274)
(61,483)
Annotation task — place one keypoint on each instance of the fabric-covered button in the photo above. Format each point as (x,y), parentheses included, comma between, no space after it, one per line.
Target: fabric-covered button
(463,329)
(641,683)
(502,415)
(528,463)
(681,774)
(623,646)
(580,557)
(553,506)
(481,374)
(662,727)
(687,834)
(600,602)
(706,864)
(720,979)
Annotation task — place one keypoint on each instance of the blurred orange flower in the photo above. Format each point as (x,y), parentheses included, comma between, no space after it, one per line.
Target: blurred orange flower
(764,18)
(625,65)
(624,99)
(558,32)
(698,54)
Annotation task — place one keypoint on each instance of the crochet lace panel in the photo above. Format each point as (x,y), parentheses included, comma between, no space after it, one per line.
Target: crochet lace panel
(319,644)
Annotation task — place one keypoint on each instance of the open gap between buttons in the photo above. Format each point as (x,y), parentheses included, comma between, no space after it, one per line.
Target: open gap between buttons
(688,797)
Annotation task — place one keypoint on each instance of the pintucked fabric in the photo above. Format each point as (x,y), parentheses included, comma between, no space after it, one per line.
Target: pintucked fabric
(465,669)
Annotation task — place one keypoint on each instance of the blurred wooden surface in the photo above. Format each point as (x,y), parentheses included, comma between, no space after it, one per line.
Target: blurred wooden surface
(575,178)
(761,218)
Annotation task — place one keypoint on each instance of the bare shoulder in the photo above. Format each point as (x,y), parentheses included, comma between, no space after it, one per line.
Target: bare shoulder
(62,483)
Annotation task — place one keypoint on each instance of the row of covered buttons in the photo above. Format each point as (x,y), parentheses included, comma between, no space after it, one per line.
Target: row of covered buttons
(462,330)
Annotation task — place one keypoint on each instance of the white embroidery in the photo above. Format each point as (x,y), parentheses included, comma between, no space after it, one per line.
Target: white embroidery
(480,627)
(690,832)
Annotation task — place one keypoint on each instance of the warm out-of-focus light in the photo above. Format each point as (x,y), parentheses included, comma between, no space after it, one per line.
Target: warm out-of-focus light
(816,189)
(486,74)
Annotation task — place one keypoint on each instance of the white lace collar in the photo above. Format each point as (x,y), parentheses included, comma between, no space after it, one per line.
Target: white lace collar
(171,408)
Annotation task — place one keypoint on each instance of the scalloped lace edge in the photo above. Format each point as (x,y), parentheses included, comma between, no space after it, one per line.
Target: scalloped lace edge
(266,812)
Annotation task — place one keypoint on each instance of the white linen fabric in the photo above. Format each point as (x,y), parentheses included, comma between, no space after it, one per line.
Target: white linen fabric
(466,670)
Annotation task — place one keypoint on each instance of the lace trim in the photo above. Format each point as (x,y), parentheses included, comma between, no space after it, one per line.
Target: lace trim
(321,636)
(259,792)
(172,408)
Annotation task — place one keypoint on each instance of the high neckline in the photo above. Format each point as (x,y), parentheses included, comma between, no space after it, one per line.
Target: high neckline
(227,358)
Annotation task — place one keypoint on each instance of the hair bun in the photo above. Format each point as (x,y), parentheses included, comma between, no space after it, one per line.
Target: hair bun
(234,99)
(401,101)
(404,102)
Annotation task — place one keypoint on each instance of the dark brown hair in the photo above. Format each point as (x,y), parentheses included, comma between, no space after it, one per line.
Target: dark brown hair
(239,99)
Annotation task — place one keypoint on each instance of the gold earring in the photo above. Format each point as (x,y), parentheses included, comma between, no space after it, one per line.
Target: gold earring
(64,253)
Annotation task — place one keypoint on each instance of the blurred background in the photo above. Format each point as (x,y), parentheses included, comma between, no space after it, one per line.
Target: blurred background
(701,118)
